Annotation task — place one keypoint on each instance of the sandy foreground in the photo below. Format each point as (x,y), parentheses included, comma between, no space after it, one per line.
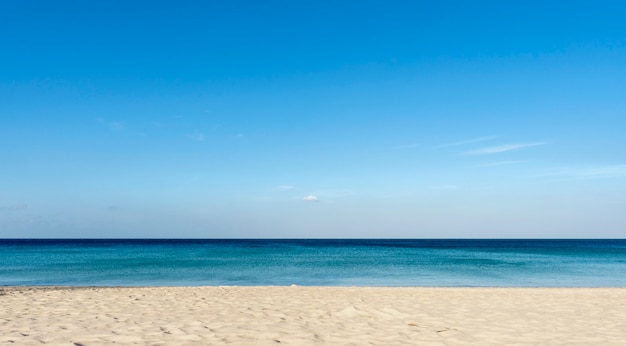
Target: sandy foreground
(311,315)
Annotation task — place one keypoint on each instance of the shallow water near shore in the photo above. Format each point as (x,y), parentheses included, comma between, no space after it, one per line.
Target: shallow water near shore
(353,262)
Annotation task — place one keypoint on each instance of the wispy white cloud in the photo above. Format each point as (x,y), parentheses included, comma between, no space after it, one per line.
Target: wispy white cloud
(116,126)
(467,141)
(502,163)
(310,198)
(196,137)
(112,125)
(502,148)
(584,173)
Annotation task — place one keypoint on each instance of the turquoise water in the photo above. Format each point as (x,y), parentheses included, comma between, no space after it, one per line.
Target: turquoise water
(504,263)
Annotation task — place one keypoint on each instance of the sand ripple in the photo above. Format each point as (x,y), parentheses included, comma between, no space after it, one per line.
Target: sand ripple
(311,315)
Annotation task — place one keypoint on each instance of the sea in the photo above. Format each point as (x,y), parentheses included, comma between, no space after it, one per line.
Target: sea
(314,262)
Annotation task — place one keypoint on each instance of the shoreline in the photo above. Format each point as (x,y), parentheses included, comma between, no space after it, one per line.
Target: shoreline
(8,288)
(296,315)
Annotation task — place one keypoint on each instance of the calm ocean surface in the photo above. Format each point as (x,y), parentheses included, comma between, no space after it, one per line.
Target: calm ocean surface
(505,263)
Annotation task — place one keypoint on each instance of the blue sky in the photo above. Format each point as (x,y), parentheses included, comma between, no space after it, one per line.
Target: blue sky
(312,119)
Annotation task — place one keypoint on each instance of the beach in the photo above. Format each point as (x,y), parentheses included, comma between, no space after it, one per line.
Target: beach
(296,315)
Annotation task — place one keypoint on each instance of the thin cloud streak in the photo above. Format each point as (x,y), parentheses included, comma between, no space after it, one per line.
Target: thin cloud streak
(503,163)
(116,126)
(112,125)
(502,148)
(196,137)
(468,141)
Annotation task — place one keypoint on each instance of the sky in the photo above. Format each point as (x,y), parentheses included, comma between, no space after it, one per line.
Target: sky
(312,119)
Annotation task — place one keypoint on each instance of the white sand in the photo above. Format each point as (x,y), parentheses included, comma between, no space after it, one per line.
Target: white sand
(312,315)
